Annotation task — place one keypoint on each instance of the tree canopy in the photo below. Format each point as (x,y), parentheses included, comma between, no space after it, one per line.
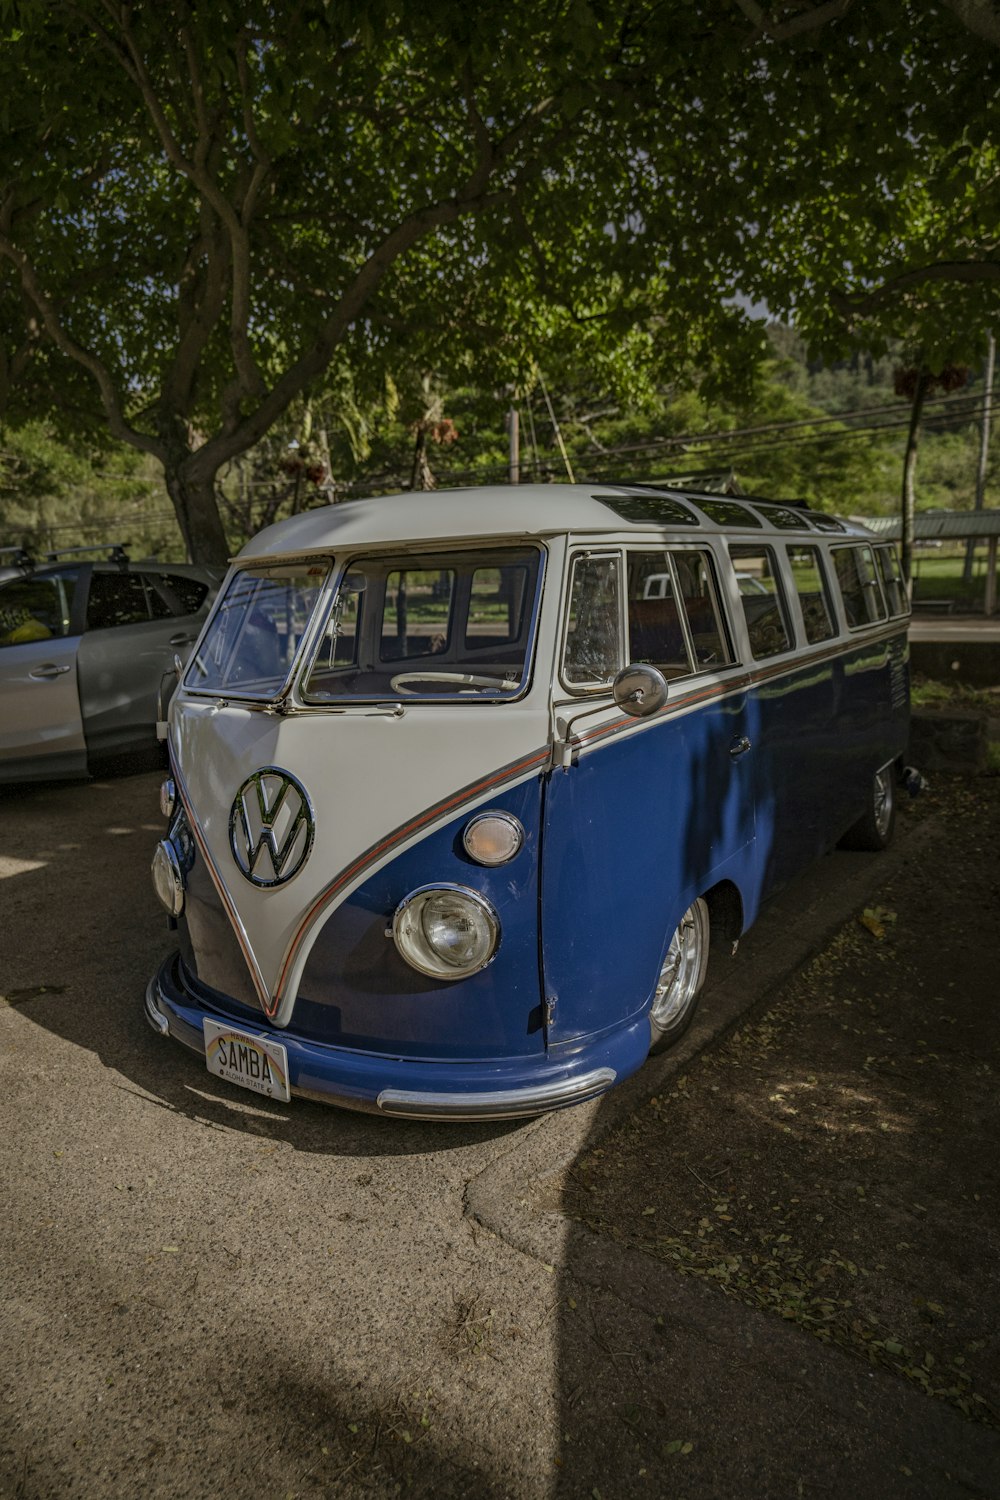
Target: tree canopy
(209,213)
(203,207)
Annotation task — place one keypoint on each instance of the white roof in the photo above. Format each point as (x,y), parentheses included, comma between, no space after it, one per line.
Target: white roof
(525,510)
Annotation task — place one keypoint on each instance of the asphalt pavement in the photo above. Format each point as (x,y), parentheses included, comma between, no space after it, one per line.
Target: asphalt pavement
(205,1294)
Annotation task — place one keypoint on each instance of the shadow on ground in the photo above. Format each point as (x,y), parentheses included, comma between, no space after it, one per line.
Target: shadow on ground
(105,935)
(781,1273)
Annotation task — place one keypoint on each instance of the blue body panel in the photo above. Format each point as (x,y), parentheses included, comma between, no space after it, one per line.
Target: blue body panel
(357,991)
(633,833)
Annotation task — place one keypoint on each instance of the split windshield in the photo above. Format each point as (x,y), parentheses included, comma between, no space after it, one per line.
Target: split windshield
(434,625)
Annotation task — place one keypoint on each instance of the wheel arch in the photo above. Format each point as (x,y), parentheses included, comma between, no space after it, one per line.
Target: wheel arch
(725,910)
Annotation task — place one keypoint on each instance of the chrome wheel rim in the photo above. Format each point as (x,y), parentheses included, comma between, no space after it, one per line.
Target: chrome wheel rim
(680,975)
(883,801)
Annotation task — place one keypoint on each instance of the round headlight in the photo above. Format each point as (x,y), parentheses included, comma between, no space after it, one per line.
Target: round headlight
(446,931)
(493,838)
(168,878)
(168,797)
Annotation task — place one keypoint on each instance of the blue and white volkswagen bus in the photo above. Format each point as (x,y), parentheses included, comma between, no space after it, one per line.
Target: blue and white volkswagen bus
(461,783)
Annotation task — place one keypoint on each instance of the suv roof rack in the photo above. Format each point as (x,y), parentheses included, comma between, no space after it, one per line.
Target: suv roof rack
(20,557)
(115,551)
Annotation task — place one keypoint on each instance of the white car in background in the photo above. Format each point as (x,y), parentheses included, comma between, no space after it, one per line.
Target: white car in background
(85,645)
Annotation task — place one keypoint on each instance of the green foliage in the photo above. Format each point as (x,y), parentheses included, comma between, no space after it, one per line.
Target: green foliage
(245,197)
(878,211)
(55,494)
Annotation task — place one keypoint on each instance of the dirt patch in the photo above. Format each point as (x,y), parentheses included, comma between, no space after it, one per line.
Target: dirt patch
(835,1160)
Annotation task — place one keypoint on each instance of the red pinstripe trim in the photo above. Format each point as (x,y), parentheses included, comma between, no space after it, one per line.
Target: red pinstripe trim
(627,721)
(750,680)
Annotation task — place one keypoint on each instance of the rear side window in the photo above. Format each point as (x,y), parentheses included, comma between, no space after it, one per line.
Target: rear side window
(763,603)
(859,586)
(189,592)
(814,599)
(593,652)
(117,599)
(892,581)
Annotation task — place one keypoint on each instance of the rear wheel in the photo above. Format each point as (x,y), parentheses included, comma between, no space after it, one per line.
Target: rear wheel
(873,831)
(682,975)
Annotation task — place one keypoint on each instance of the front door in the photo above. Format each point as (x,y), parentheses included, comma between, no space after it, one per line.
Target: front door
(41,731)
(645,814)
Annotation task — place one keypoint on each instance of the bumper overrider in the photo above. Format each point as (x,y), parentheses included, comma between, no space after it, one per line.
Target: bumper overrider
(497,1090)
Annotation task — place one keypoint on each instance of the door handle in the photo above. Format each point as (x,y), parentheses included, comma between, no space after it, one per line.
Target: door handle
(47,671)
(739,747)
(181,640)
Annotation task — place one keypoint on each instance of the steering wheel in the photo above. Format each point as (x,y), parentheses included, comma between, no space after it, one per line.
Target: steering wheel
(467,679)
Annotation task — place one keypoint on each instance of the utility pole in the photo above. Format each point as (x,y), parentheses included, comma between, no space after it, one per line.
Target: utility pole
(514,448)
(984,444)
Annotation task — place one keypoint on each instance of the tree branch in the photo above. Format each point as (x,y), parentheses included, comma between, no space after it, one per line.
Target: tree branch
(966,272)
(802,19)
(113,411)
(981,17)
(315,359)
(249,378)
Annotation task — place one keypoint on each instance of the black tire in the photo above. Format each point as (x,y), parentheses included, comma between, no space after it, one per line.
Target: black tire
(682,975)
(873,831)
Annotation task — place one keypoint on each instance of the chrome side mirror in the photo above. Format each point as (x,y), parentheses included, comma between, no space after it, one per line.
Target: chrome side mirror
(640,690)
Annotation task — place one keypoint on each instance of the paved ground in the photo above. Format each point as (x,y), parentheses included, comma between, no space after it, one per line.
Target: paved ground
(206,1295)
(954,628)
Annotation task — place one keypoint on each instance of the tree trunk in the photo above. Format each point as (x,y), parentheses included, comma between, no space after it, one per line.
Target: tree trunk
(909,473)
(421,476)
(984,451)
(193,497)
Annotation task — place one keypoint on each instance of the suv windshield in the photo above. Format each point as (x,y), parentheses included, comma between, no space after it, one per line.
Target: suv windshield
(256,630)
(435,625)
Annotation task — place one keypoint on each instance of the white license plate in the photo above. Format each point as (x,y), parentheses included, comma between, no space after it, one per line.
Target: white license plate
(254,1062)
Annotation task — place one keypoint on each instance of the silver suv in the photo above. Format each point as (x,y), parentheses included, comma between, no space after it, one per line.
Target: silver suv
(85,645)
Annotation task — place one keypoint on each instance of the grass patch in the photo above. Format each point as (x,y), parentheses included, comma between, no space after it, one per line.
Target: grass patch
(940,577)
(928,692)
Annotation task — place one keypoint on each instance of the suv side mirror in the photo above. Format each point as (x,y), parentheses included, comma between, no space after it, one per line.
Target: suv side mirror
(640,689)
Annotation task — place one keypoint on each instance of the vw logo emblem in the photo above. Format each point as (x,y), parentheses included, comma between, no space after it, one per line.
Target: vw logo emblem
(271,827)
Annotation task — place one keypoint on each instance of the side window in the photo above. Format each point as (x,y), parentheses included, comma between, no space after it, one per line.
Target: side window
(117,599)
(656,632)
(859,586)
(36,609)
(673,613)
(814,600)
(700,598)
(189,592)
(593,652)
(416,616)
(761,597)
(892,581)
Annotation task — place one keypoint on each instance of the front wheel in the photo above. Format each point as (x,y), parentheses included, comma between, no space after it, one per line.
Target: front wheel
(873,830)
(681,977)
